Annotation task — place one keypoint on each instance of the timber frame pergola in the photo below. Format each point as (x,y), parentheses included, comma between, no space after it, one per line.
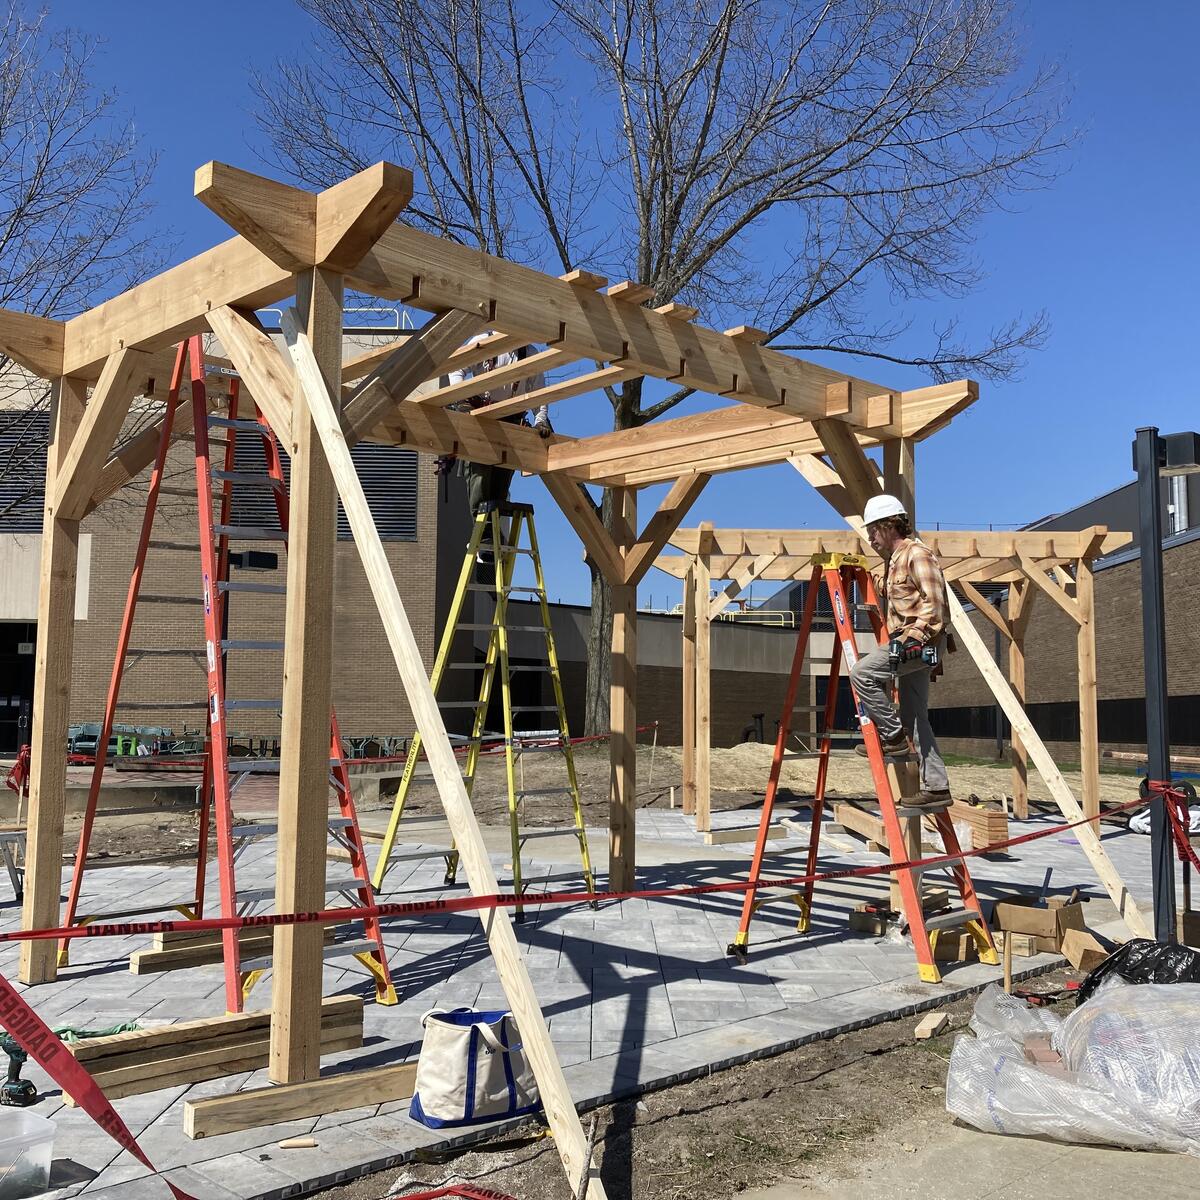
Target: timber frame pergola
(290,242)
(1057,564)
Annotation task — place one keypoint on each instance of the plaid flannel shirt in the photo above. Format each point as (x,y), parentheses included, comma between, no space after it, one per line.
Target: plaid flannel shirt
(914,591)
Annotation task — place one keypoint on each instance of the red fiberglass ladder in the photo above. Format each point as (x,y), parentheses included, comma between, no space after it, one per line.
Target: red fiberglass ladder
(223,774)
(840,575)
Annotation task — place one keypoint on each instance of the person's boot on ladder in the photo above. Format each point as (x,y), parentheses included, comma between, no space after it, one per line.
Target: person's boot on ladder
(913,592)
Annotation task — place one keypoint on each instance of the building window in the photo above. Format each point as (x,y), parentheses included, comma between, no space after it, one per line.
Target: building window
(23,436)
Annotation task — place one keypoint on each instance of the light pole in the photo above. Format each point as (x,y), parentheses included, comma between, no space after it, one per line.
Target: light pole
(1153,457)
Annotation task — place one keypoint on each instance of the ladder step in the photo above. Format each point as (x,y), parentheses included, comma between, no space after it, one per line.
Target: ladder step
(834,735)
(567,831)
(157,652)
(545,792)
(251,533)
(510,628)
(155,545)
(333,950)
(459,703)
(151,705)
(177,491)
(802,754)
(251,766)
(418,855)
(245,423)
(256,895)
(265,589)
(262,704)
(153,598)
(956,916)
(266,830)
(518,708)
(245,644)
(817,708)
(246,478)
(491,591)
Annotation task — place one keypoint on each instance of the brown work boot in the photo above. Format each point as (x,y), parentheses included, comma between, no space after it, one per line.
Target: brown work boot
(896,749)
(929,801)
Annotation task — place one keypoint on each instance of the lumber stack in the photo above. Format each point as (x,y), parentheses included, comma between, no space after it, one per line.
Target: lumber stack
(179,949)
(187,1052)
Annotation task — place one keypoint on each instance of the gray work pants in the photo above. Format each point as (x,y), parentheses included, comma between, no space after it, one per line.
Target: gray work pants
(871,679)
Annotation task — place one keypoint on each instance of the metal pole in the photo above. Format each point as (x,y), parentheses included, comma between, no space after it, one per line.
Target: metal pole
(1148,457)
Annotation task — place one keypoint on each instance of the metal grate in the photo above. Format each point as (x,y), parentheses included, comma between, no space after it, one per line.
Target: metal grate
(23,436)
(388,475)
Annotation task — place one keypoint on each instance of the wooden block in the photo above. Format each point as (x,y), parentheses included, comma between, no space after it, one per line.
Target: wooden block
(1083,950)
(1188,928)
(630,292)
(987,826)
(301,1143)
(201,949)
(748,833)
(1024,945)
(681,312)
(864,920)
(951,945)
(934,898)
(747,333)
(585,279)
(837,398)
(293,1102)
(858,820)
(931,1025)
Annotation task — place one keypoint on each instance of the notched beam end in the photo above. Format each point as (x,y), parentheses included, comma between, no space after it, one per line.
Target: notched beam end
(352,215)
(35,343)
(279,220)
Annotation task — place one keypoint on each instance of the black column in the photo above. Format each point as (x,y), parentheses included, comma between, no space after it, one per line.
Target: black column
(1148,457)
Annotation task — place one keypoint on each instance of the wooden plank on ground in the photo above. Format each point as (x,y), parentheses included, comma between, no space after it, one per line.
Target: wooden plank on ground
(293,1102)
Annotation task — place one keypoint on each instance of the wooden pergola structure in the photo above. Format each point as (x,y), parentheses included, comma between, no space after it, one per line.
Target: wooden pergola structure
(313,246)
(1057,564)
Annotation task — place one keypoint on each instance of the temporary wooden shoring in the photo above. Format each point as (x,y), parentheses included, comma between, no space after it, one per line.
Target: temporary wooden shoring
(850,505)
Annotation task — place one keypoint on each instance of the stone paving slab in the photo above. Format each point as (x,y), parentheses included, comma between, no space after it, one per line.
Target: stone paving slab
(639,995)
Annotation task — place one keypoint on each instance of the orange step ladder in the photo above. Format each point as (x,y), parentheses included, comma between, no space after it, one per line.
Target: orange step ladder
(841,575)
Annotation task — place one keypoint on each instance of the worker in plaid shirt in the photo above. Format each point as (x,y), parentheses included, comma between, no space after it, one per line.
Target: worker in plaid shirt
(913,591)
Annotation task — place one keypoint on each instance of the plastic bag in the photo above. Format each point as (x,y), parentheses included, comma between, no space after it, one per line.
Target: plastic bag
(1132,1060)
(1144,961)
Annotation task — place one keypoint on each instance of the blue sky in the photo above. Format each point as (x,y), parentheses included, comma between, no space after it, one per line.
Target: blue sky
(1110,251)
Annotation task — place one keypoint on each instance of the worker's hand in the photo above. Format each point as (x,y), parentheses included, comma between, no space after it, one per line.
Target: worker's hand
(543,429)
(910,648)
(443,464)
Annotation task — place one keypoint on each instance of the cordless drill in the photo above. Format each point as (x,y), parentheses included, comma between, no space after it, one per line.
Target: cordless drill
(901,652)
(18,1092)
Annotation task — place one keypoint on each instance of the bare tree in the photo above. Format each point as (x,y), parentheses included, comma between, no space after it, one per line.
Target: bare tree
(72,217)
(669,141)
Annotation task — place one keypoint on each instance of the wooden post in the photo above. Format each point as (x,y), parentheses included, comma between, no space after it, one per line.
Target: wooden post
(899,474)
(688,670)
(1089,732)
(1020,598)
(703,695)
(51,699)
(307,669)
(623,707)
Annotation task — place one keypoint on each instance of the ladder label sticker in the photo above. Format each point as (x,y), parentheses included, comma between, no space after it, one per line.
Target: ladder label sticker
(214,709)
(207,595)
(841,612)
(212,655)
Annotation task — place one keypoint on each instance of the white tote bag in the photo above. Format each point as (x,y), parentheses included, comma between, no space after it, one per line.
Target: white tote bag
(471,1069)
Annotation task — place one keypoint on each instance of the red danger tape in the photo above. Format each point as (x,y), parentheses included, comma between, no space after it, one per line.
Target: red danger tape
(43,1046)
(470,1193)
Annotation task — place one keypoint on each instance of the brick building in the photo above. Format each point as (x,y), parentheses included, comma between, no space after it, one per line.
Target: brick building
(963,713)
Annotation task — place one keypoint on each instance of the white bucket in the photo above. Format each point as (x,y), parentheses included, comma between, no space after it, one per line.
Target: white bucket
(26,1147)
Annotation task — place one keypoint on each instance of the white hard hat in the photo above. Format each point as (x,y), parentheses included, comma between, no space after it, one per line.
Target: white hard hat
(879,507)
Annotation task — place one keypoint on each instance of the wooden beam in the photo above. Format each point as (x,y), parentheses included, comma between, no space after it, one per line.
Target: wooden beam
(591,381)
(441,431)
(703,687)
(51,698)
(629,292)
(674,507)
(464,828)
(585,279)
(307,695)
(739,584)
(1038,578)
(899,474)
(295,1102)
(747,333)
(984,609)
(279,220)
(688,667)
(1020,603)
(35,343)
(1089,730)
(259,364)
(102,420)
(397,378)
(857,473)
(680,312)
(581,514)
(353,214)
(622,831)
(498,377)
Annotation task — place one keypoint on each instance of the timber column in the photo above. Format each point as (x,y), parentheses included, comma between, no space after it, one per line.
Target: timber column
(623,706)
(51,699)
(307,695)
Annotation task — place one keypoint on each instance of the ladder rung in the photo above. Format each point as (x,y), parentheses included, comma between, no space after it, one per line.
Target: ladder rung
(534,708)
(257,894)
(156,652)
(491,591)
(154,598)
(154,545)
(818,708)
(418,855)
(247,478)
(834,735)
(509,628)
(517,550)
(266,830)
(801,754)
(244,423)
(956,916)
(266,589)
(244,644)
(249,766)
(545,792)
(333,950)
(263,704)
(177,491)
(545,833)
(459,703)
(251,533)
(151,705)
